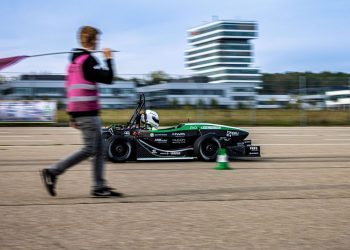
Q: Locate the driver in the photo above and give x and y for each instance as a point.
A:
(151, 119)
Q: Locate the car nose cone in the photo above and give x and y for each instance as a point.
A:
(243, 134)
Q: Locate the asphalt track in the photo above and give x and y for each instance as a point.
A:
(297, 196)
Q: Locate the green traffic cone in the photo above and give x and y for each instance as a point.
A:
(222, 162)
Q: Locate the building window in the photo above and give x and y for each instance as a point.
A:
(126, 91)
(23, 91)
(224, 33)
(224, 65)
(196, 92)
(230, 71)
(242, 89)
(221, 53)
(220, 60)
(242, 98)
(106, 91)
(123, 91)
(224, 26)
(49, 91)
(220, 47)
(238, 78)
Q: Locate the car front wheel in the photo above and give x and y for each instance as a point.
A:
(207, 147)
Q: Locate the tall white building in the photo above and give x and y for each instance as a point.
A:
(222, 51)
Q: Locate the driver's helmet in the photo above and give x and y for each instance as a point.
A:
(152, 118)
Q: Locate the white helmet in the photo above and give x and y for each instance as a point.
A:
(152, 118)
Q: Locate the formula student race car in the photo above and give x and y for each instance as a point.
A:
(140, 139)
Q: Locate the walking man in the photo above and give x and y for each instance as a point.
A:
(83, 107)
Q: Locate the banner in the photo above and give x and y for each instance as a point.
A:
(27, 111)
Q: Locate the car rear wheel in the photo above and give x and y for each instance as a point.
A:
(118, 149)
(207, 147)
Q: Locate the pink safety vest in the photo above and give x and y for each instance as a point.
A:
(82, 95)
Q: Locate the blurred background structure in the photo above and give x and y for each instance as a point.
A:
(225, 87)
(294, 98)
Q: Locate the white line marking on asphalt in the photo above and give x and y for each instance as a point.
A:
(24, 140)
(292, 135)
(22, 146)
(297, 129)
(340, 139)
(20, 136)
(61, 129)
(304, 144)
(341, 135)
(303, 135)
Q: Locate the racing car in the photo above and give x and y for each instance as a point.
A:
(142, 139)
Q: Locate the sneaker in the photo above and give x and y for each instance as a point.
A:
(105, 192)
(49, 181)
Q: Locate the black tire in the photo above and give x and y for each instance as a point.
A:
(206, 147)
(118, 148)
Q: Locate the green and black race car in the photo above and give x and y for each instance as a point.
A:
(140, 139)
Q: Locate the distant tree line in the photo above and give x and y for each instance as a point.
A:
(154, 77)
(272, 83)
(284, 83)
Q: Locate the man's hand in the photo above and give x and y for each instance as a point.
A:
(107, 53)
(74, 124)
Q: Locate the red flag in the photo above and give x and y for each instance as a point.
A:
(5, 62)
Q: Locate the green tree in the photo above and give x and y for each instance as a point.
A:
(138, 81)
(118, 78)
(200, 103)
(213, 103)
(158, 77)
(272, 101)
(241, 105)
(285, 83)
(174, 103)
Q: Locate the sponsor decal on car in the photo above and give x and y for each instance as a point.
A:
(167, 153)
(178, 140)
(178, 134)
(232, 133)
(151, 134)
(211, 127)
(160, 135)
(224, 139)
(160, 140)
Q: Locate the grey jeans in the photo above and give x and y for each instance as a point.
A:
(90, 127)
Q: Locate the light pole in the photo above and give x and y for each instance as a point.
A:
(256, 89)
(302, 94)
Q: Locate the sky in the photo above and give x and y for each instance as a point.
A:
(293, 35)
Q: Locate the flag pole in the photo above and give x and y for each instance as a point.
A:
(68, 52)
(5, 62)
